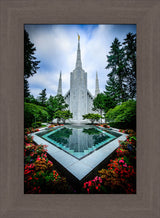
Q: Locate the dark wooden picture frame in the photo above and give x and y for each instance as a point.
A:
(13, 15)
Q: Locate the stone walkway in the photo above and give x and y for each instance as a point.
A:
(80, 168)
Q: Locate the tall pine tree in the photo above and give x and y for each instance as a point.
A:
(116, 84)
(30, 62)
(130, 59)
(43, 97)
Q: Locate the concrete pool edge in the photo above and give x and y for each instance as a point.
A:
(78, 155)
(80, 168)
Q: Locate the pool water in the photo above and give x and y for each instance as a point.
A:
(78, 141)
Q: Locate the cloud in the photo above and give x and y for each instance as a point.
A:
(56, 48)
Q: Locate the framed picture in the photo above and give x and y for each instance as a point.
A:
(14, 15)
(86, 118)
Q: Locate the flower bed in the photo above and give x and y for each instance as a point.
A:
(53, 125)
(39, 175)
(119, 176)
(30, 130)
(103, 125)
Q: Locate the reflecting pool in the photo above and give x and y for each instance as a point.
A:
(78, 141)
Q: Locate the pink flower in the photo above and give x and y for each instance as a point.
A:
(121, 161)
(96, 178)
(89, 183)
(125, 165)
(50, 162)
(100, 180)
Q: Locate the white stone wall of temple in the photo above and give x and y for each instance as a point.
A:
(79, 99)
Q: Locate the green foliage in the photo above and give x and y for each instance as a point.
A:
(92, 117)
(31, 99)
(36, 125)
(30, 62)
(26, 89)
(130, 59)
(33, 112)
(62, 115)
(99, 102)
(103, 102)
(55, 104)
(116, 85)
(42, 98)
(124, 113)
(123, 125)
(121, 83)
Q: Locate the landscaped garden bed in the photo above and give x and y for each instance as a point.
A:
(41, 176)
(119, 176)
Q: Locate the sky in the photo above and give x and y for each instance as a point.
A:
(56, 49)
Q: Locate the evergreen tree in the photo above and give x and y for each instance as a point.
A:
(30, 62)
(130, 59)
(26, 89)
(42, 98)
(116, 85)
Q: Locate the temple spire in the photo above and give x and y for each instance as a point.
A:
(97, 91)
(78, 61)
(59, 91)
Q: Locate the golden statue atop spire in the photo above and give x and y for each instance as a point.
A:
(78, 37)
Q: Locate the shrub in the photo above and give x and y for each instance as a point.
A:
(123, 116)
(93, 186)
(92, 117)
(39, 177)
(36, 125)
(119, 177)
(33, 112)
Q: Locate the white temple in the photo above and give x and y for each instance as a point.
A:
(79, 99)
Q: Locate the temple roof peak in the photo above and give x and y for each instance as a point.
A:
(78, 61)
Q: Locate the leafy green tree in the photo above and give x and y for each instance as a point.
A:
(31, 99)
(130, 59)
(42, 97)
(99, 102)
(62, 115)
(54, 104)
(66, 114)
(60, 102)
(103, 102)
(116, 84)
(109, 102)
(30, 62)
(58, 116)
(34, 113)
(92, 117)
